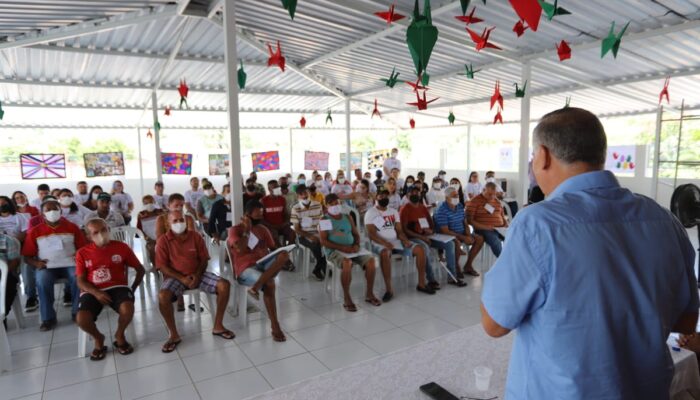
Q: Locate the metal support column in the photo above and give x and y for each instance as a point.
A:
(138, 134)
(524, 137)
(291, 154)
(657, 153)
(348, 162)
(156, 135)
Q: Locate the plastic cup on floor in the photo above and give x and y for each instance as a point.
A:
(483, 377)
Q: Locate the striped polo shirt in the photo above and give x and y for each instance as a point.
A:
(452, 218)
(307, 218)
(477, 210)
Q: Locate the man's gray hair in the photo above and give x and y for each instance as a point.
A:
(572, 135)
(93, 221)
(449, 191)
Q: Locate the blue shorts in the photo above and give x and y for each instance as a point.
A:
(251, 274)
(406, 251)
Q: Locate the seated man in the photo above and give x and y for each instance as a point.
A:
(113, 218)
(102, 271)
(251, 191)
(486, 214)
(383, 225)
(146, 223)
(276, 217)
(205, 203)
(250, 241)
(305, 217)
(182, 257)
(193, 195)
(290, 197)
(450, 220)
(50, 248)
(220, 216)
(341, 243)
(490, 176)
(10, 254)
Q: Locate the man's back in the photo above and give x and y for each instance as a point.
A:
(594, 279)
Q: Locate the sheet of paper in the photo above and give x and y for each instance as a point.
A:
(252, 241)
(362, 252)
(424, 223)
(229, 217)
(441, 238)
(325, 225)
(274, 253)
(149, 227)
(490, 208)
(306, 222)
(54, 243)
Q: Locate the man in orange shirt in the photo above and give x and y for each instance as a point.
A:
(486, 214)
(182, 257)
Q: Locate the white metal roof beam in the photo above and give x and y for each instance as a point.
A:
(395, 27)
(90, 27)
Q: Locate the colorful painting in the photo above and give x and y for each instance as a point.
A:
(176, 163)
(621, 159)
(316, 160)
(375, 158)
(355, 160)
(103, 164)
(266, 161)
(218, 164)
(43, 166)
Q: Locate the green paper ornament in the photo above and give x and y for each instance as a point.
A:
(425, 79)
(451, 118)
(612, 41)
(465, 5)
(550, 10)
(2, 112)
(156, 126)
(568, 102)
(421, 36)
(291, 6)
(469, 71)
(393, 79)
(242, 77)
(329, 118)
(520, 92)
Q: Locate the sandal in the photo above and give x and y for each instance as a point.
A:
(350, 307)
(373, 301)
(98, 354)
(254, 293)
(180, 307)
(472, 272)
(434, 285)
(387, 297)
(279, 337)
(226, 334)
(170, 346)
(194, 308)
(458, 283)
(123, 349)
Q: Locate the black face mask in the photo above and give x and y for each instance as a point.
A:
(250, 188)
(284, 186)
(5, 208)
(383, 202)
(414, 198)
(256, 221)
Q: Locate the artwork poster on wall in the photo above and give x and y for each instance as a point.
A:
(43, 166)
(621, 159)
(176, 163)
(355, 160)
(266, 161)
(218, 164)
(103, 164)
(316, 160)
(375, 158)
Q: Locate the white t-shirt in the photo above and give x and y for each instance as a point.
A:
(113, 219)
(435, 196)
(36, 203)
(120, 202)
(395, 201)
(391, 163)
(161, 201)
(80, 199)
(474, 189)
(385, 221)
(77, 217)
(13, 225)
(192, 197)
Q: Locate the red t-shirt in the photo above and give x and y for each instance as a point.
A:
(248, 257)
(106, 267)
(181, 253)
(274, 209)
(410, 218)
(43, 230)
(31, 210)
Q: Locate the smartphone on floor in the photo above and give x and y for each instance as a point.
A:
(437, 392)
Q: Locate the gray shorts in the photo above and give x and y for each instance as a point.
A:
(337, 258)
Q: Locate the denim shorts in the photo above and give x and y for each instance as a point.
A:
(251, 274)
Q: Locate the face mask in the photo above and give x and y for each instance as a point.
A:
(319, 182)
(66, 201)
(178, 227)
(409, 183)
(329, 179)
(52, 216)
(208, 192)
(150, 207)
(437, 186)
(21, 205)
(302, 181)
(383, 202)
(256, 221)
(335, 210)
(276, 191)
(341, 180)
(491, 180)
(455, 186)
(414, 198)
(394, 155)
(250, 188)
(95, 196)
(454, 201)
(102, 239)
(441, 176)
(305, 202)
(5, 208)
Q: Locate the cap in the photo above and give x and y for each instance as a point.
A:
(104, 196)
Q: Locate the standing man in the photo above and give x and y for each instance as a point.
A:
(392, 162)
(161, 199)
(82, 194)
(103, 278)
(305, 216)
(192, 196)
(594, 278)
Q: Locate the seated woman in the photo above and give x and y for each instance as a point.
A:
(91, 203)
(70, 210)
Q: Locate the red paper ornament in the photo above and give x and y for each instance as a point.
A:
(498, 117)
(664, 92)
(276, 58)
(184, 90)
(412, 122)
(389, 16)
(497, 97)
(376, 110)
(167, 110)
(519, 28)
(302, 122)
(149, 134)
(422, 104)
(563, 50)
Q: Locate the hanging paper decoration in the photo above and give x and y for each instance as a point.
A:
(302, 122)
(520, 92)
(469, 71)
(498, 117)
(563, 50)
(412, 123)
(156, 126)
(465, 5)
(519, 28)
(482, 41)
(550, 10)
(393, 79)
(242, 77)
(612, 41)
(529, 11)
(422, 104)
(184, 90)
(664, 91)
(376, 110)
(425, 79)
(291, 6)
(149, 134)
(329, 118)
(568, 102)
(497, 97)
(167, 110)
(417, 85)
(276, 58)
(470, 19)
(2, 112)
(421, 37)
(451, 118)
(389, 16)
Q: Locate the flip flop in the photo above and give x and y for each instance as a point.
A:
(472, 273)
(180, 307)
(350, 307)
(254, 293)
(193, 308)
(226, 334)
(170, 346)
(279, 337)
(98, 354)
(373, 301)
(124, 349)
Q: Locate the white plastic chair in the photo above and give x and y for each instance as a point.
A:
(5, 351)
(240, 295)
(507, 211)
(126, 234)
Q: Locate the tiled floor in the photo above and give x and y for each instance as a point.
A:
(321, 336)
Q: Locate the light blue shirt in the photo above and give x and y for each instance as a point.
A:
(593, 278)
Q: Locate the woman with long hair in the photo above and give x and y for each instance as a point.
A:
(91, 203)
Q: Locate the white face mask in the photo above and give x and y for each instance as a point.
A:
(305, 202)
(302, 181)
(335, 210)
(437, 186)
(179, 227)
(329, 179)
(454, 200)
(319, 183)
(394, 154)
(102, 239)
(66, 201)
(341, 180)
(149, 207)
(21, 205)
(441, 176)
(277, 191)
(52, 216)
(208, 192)
(455, 186)
(95, 196)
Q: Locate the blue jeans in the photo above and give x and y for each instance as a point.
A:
(449, 249)
(429, 273)
(45, 279)
(493, 239)
(28, 279)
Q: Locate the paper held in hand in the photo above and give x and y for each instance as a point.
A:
(325, 225)
(362, 252)
(252, 241)
(424, 223)
(439, 237)
(276, 252)
(490, 208)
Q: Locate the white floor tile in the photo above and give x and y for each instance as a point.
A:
(215, 363)
(186, 392)
(106, 388)
(386, 342)
(22, 383)
(336, 312)
(143, 356)
(64, 351)
(267, 350)
(344, 354)
(153, 379)
(300, 320)
(364, 325)
(30, 358)
(293, 369)
(235, 386)
(79, 370)
(28, 338)
(430, 328)
(255, 330)
(201, 343)
(320, 336)
(400, 313)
